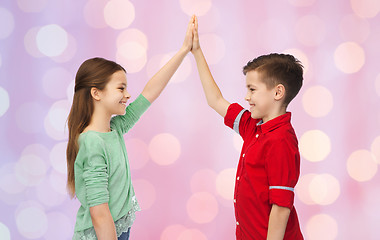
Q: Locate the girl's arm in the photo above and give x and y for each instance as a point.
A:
(103, 222)
(278, 220)
(158, 82)
(214, 97)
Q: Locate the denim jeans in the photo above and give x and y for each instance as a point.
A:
(124, 235)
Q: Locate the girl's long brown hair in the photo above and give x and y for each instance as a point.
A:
(94, 72)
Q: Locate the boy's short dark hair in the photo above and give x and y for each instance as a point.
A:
(276, 69)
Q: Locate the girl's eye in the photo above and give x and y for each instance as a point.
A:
(252, 89)
(122, 89)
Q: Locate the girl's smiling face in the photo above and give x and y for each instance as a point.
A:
(114, 97)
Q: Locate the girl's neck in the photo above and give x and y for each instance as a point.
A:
(100, 122)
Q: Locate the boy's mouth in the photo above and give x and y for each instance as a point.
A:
(123, 102)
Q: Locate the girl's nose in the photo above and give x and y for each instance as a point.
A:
(127, 95)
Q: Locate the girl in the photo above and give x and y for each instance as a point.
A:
(98, 168)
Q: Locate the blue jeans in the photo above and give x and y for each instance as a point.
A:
(124, 235)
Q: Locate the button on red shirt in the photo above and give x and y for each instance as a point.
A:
(267, 173)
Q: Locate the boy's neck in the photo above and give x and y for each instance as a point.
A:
(276, 113)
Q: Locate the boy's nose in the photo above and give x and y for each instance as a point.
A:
(127, 95)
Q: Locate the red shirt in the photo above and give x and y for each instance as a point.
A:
(267, 173)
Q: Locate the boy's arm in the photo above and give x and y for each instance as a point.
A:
(278, 220)
(158, 82)
(103, 223)
(213, 95)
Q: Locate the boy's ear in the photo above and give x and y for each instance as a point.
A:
(95, 93)
(279, 92)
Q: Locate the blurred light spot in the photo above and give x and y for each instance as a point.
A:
(154, 65)
(145, 193)
(164, 149)
(30, 170)
(47, 195)
(132, 55)
(132, 35)
(375, 149)
(38, 150)
(197, 7)
(310, 30)
(238, 142)
(32, 113)
(202, 207)
(301, 56)
(55, 121)
(10, 184)
(138, 154)
(58, 182)
(321, 226)
(203, 181)
(315, 145)
(377, 85)
(31, 222)
(30, 43)
(55, 82)
(272, 33)
(183, 71)
(7, 23)
(4, 232)
(119, 13)
(172, 232)
(69, 51)
(11, 189)
(225, 183)
(324, 189)
(361, 165)
(93, 13)
(318, 108)
(302, 3)
(349, 57)
(213, 47)
(32, 6)
(192, 234)
(303, 187)
(365, 8)
(211, 20)
(59, 227)
(58, 157)
(4, 100)
(354, 28)
(52, 40)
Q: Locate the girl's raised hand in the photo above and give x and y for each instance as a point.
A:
(196, 45)
(188, 43)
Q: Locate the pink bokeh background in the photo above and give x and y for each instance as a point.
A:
(183, 158)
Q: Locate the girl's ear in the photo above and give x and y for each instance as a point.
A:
(279, 92)
(95, 93)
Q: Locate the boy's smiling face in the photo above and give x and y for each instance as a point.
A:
(261, 99)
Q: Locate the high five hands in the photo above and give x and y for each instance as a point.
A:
(191, 42)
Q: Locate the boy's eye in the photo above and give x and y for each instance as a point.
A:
(122, 89)
(252, 89)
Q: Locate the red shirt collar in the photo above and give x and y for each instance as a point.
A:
(275, 122)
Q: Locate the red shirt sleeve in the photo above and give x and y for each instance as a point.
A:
(239, 119)
(283, 168)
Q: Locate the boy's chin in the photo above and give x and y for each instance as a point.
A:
(255, 116)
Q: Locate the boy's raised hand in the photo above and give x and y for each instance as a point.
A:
(196, 45)
(188, 42)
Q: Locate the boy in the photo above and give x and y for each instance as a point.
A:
(269, 163)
